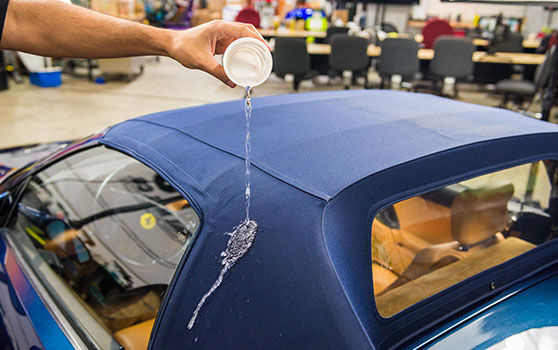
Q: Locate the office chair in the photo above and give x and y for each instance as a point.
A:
(331, 31)
(398, 57)
(486, 73)
(248, 15)
(434, 28)
(290, 56)
(349, 53)
(453, 57)
(388, 27)
(513, 42)
(521, 91)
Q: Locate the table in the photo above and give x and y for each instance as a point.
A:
(428, 54)
(459, 25)
(291, 33)
(527, 43)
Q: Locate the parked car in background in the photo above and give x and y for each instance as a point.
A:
(385, 220)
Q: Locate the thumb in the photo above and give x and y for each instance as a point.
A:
(214, 68)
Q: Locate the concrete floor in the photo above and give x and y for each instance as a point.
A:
(29, 114)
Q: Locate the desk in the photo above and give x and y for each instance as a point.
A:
(291, 33)
(508, 58)
(527, 44)
(428, 54)
(458, 25)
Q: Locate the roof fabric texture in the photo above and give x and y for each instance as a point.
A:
(323, 164)
(323, 142)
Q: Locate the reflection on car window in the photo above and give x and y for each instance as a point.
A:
(111, 229)
(427, 243)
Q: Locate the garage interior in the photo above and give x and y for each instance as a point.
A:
(94, 94)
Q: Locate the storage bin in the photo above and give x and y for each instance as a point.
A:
(50, 78)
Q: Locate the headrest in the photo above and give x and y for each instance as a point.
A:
(479, 213)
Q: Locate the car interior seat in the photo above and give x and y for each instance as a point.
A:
(383, 278)
(135, 337)
(393, 250)
(388, 250)
(400, 231)
(395, 300)
(478, 215)
(426, 219)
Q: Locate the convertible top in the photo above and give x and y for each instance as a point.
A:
(323, 142)
(324, 164)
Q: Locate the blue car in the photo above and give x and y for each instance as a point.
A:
(384, 220)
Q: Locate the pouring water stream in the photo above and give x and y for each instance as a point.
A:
(242, 237)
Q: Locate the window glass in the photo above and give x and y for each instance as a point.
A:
(105, 233)
(425, 244)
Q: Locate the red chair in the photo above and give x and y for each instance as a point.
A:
(434, 28)
(250, 16)
(460, 33)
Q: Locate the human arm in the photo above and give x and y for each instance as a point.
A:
(53, 28)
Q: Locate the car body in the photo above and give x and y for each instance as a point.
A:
(326, 167)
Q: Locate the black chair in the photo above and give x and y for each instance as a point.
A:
(331, 31)
(349, 53)
(520, 91)
(488, 73)
(388, 27)
(290, 56)
(398, 57)
(513, 42)
(453, 57)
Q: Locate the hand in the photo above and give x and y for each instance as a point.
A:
(195, 47)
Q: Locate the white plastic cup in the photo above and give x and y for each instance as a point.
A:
(247, 62)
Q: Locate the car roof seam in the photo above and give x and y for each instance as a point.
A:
(315, 194)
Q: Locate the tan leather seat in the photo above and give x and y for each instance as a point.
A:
(398, 299)
(387, 249)
(425, 219)
(477, 217)
(478, 213)
(382, 278)
(135, 337)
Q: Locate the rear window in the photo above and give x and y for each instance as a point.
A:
(425, 244)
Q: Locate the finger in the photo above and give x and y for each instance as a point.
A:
(214, 68)
(237, 31)
(250, 30)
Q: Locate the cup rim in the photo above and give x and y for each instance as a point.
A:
(259, 47)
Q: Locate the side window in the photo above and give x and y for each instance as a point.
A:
(427, 243)
(105, 234)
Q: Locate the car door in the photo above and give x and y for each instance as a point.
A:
(88, 251)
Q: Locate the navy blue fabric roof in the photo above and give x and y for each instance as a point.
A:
(361, 147)
(323, 142)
